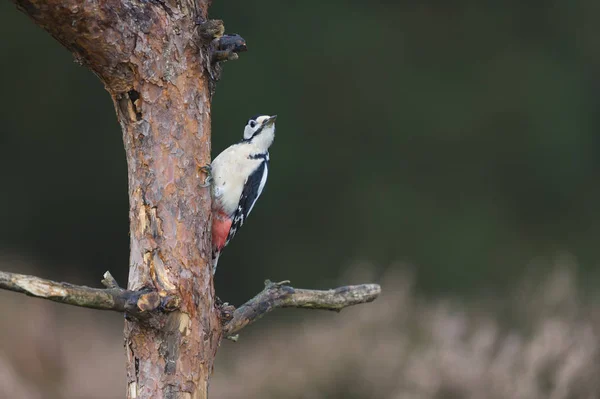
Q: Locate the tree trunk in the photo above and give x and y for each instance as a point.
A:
(156, 69)
(166, 131)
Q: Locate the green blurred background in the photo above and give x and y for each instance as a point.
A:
(458, 138)
(455, 139)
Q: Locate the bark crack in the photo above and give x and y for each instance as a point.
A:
(134, 97)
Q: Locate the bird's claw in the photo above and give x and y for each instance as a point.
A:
(207, 170)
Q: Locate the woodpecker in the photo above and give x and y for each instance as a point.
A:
(238, 176)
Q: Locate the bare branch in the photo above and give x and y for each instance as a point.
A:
(279, 295)
(112, 298)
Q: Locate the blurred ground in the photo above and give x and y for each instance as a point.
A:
(539, 342)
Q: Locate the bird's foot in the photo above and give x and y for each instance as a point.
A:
(207, 170)
(225, 309)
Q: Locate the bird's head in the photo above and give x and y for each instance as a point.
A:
(262, 126)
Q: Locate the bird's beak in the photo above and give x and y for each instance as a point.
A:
(270, 121)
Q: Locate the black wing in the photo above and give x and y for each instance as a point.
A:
(250, 193)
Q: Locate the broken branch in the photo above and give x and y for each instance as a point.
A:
(228, 47)
(279, 295)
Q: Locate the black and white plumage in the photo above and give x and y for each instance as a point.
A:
(239, 175)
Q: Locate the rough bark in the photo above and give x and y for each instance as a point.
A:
(156, 69)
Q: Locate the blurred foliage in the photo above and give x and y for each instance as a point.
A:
(457, 136)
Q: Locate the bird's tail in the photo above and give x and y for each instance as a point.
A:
(215, 258)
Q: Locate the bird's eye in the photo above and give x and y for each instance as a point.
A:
(252, 124)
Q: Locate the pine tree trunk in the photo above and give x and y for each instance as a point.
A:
(166, 131)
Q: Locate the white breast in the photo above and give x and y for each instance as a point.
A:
(230, 169)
